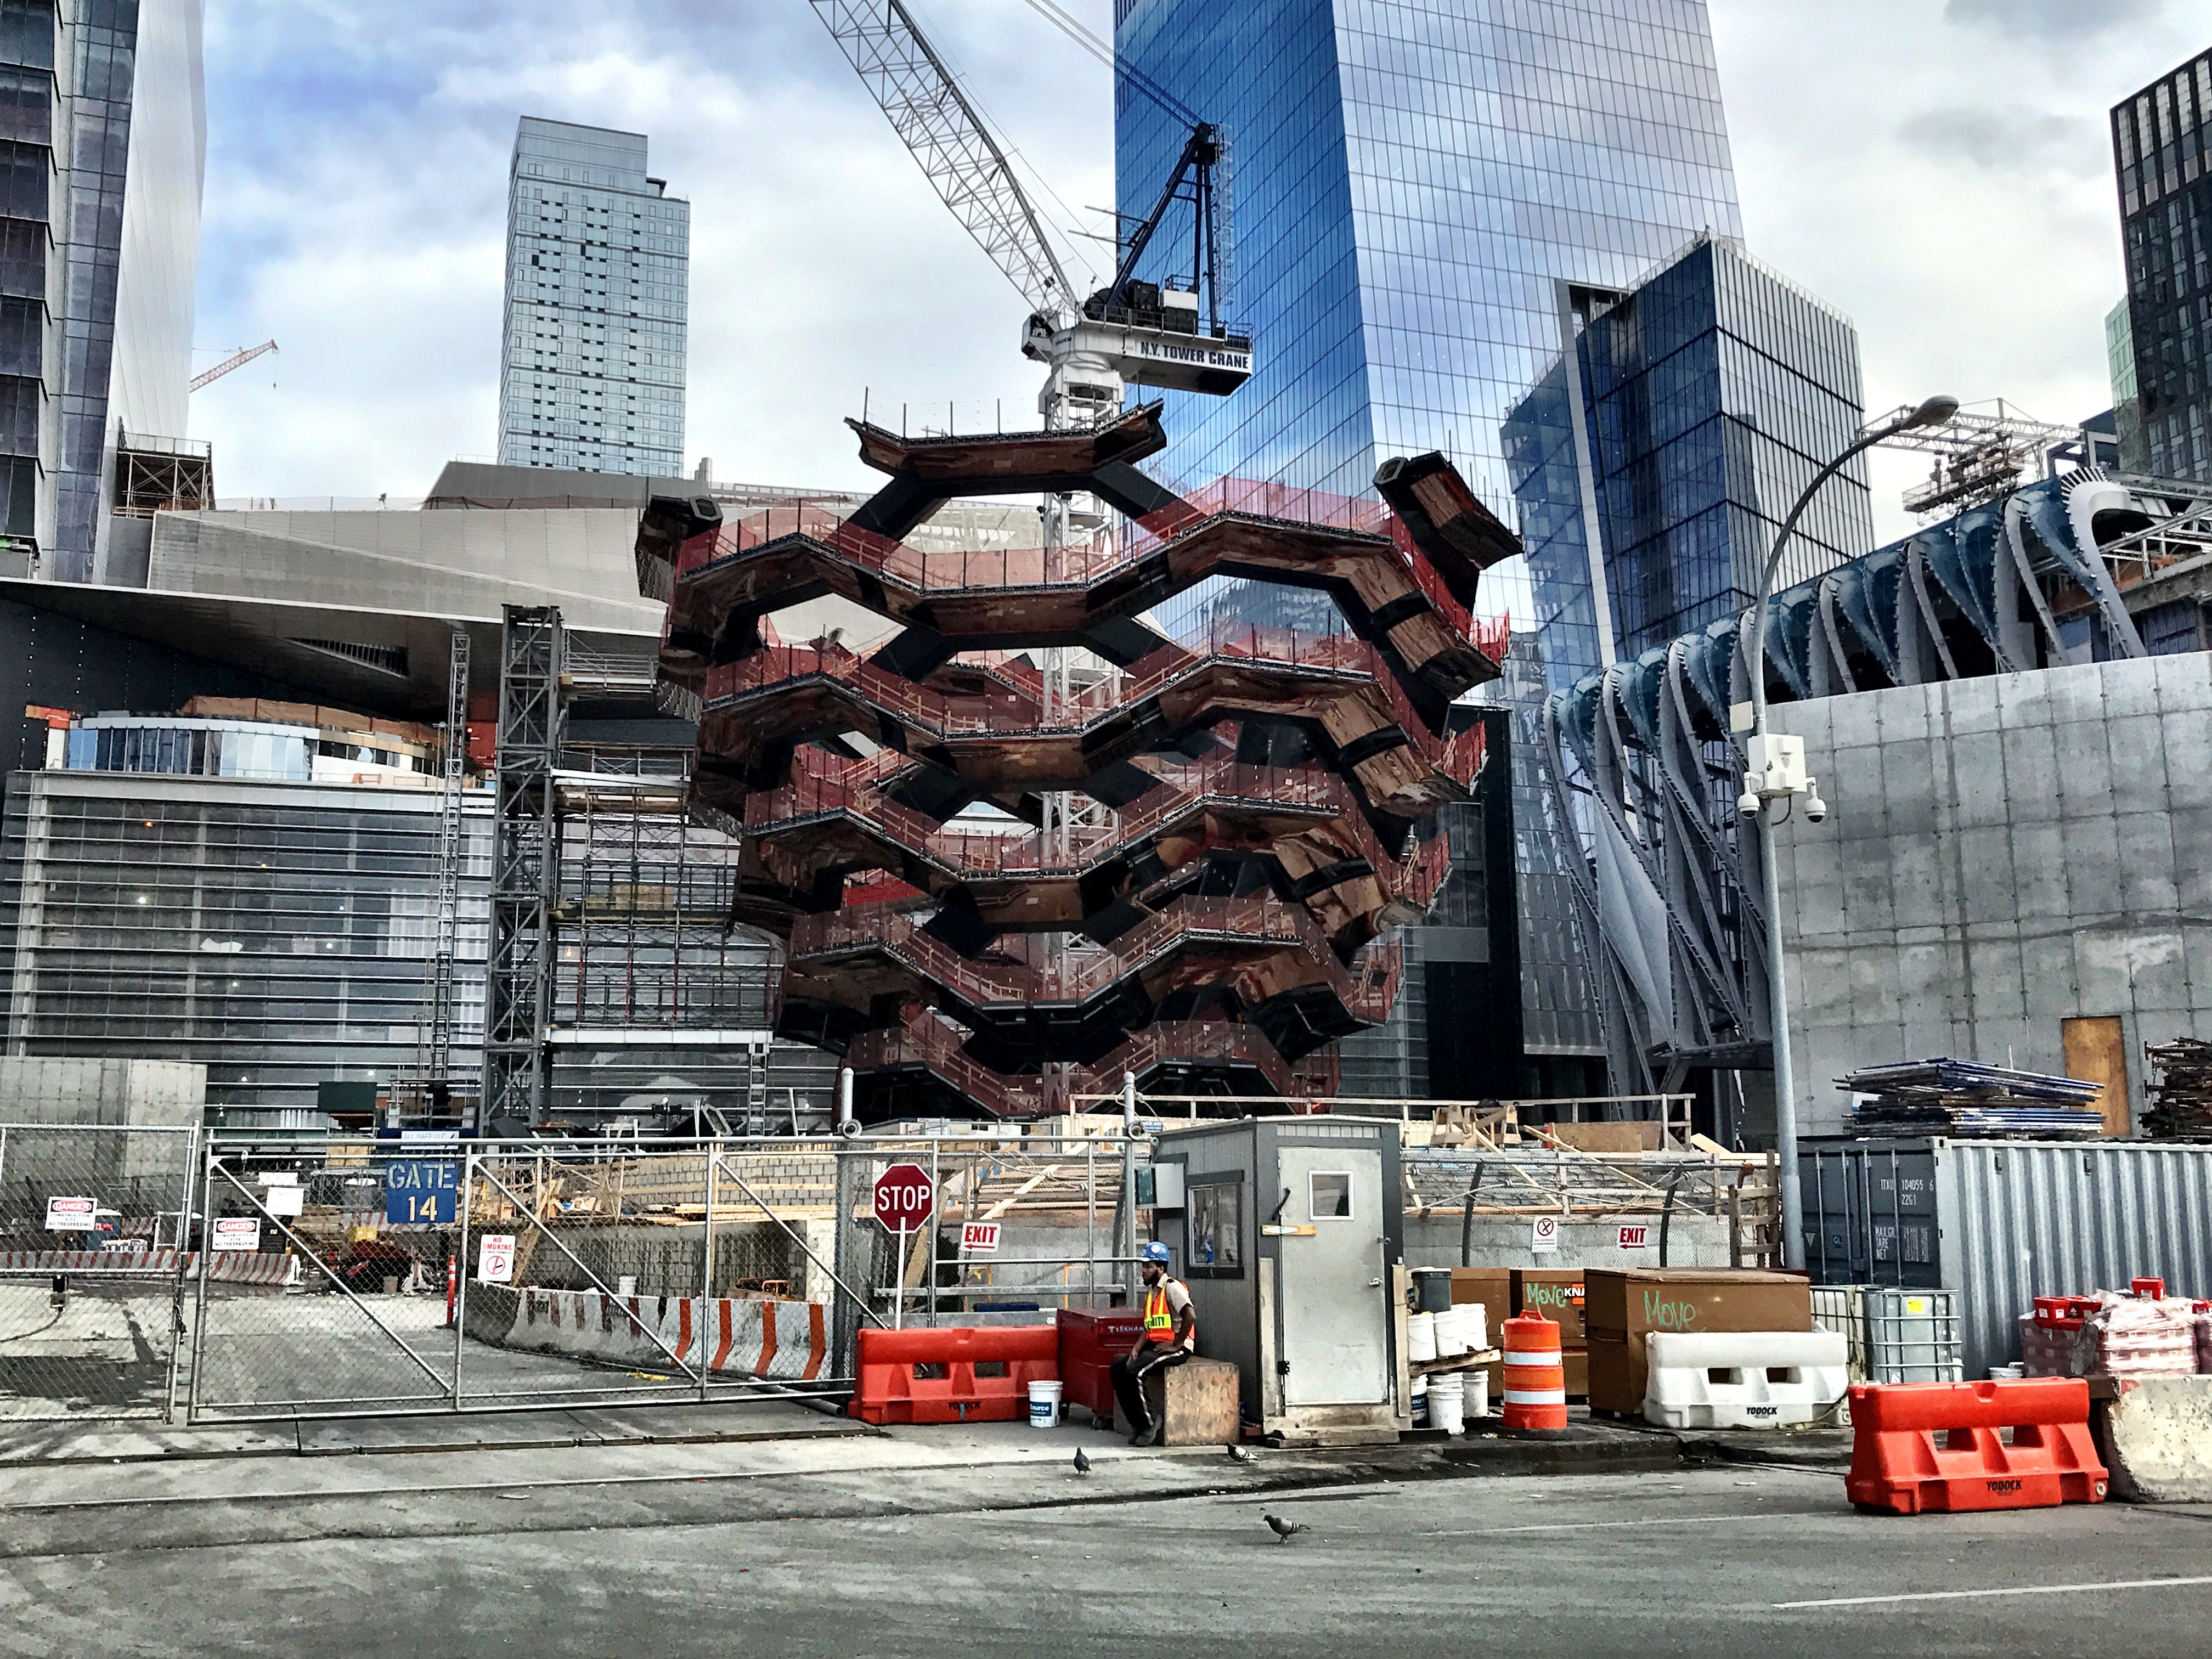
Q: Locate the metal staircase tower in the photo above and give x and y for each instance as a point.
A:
(526, 872)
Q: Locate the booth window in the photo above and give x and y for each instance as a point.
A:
(1213, 1218)
(1331, 1191)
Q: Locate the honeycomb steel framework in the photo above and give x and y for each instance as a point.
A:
(1261, 805)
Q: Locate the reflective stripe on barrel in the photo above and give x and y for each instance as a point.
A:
(1535, 1374)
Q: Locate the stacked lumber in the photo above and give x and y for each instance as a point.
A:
(2180, 1090)
(1966, 1100)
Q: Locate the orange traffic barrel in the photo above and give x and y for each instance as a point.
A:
(1535, 1375)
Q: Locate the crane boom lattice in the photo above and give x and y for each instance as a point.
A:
(936, 122)
(236, 360)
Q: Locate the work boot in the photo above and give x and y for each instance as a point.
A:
(1147, 1436)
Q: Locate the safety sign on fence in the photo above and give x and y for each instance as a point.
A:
(496, 1258)
(1634, 1238)
(70, 1215)
(979, 1237)
(236, 1232)
(420, 1192)
(1544, 1236)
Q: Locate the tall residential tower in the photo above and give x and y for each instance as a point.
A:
(1412, 181)
(598, 288)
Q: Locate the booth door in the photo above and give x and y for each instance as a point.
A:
(1335, 1297)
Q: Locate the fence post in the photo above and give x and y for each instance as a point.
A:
(199, 1308)
(461, 1268)
(705, 1321)
(176, 1279)
(935, 1233)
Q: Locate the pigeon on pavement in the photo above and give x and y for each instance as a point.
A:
(1237, 1454)
(1082, 1463)
(1283, 1530)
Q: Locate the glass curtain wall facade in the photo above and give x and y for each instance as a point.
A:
(1709, 394)
(598, 261)
(2162, 152)
(102, 145)
(1410, 181)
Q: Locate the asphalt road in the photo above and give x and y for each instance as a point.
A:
(1020, 1561)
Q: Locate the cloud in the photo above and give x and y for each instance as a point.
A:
(357, 211)
(2054, 20)
(2012, 140)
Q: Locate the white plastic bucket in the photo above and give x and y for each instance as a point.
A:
(1475, 1394)
(1447, 1407)
(1420, 1403)
(1451, 1335)
(1421, 1337)
(1044, 1405)
(1476, 1325)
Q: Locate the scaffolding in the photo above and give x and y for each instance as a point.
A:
(525, 867)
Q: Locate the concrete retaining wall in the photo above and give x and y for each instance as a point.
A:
(1501, 1240)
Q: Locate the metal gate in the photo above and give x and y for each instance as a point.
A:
(94, 1244)
(277, 1278)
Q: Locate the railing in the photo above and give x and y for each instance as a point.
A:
(1251, 922)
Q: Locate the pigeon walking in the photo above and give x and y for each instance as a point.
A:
(1082, 1463)
(1283, 1530)
(1237, 1454)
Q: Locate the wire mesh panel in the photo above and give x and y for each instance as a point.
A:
(94, 1244)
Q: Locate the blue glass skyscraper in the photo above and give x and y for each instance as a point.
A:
(1410, 183)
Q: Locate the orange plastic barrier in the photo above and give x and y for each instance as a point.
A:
(1535, 1375)
(957, 1374)
(1935, 1446)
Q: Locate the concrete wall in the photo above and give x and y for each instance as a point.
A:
(110, 1092)
(2001, 854)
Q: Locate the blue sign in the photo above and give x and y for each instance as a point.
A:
(419, 1192)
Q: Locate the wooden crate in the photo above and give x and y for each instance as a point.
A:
(1200, 1402)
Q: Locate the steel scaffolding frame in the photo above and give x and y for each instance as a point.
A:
(526, 867)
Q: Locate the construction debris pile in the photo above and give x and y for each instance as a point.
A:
(1966, 1100)
(2181, 1090)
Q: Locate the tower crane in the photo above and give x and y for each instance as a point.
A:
(1129, 332)
(236, 360)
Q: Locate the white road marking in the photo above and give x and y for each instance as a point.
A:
(1595, 1525)
(1969, 1595)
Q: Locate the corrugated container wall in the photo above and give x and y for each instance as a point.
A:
(2012, 1220)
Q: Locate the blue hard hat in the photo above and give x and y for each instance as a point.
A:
(1154, 1251)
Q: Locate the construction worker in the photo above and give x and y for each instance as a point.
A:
(1170, 1335)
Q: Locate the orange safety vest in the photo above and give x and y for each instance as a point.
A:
(1159, 1318)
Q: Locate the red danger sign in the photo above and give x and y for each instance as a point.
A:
(904, 1198)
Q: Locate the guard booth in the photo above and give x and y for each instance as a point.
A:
(1289, 1232)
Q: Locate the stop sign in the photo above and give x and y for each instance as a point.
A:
(904, 1198)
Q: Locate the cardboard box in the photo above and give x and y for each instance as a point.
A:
(1623, 1306)
(1555, 1293)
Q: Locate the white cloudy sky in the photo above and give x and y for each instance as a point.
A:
(1936, 168)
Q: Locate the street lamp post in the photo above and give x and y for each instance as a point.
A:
(1776, 776)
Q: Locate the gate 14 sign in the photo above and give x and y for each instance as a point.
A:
(420, 1191)
(904, 1198)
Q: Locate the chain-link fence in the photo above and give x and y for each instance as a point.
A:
(218, 1279)
(94, 1239)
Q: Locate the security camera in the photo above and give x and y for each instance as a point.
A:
(1816, 810)
(1748, 804)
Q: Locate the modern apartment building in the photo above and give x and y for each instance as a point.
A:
(1412, 181)
(104, 142)
(2162, 152)
(597, 290)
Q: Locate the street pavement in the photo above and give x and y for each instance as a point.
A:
(982, 1539)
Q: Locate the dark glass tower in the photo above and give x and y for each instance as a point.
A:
(1410, 181)
(1711, 392)
(2162, 149)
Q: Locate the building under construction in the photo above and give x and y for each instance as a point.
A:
(1024, 845)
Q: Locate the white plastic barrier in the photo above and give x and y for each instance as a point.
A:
(1743, 1379)
(227, 1266)
(766, 1338)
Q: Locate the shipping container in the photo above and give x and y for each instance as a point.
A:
(2002, 1222)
